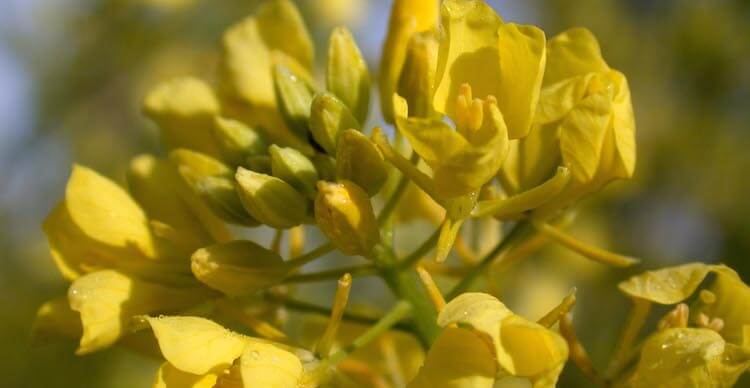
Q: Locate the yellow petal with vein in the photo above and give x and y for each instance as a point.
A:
(107, 300)
(170, 377)
(265, 365)
(572, 53)
(196, 345)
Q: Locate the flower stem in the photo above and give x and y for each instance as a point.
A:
(518, 231)
(395, 197)
(299, 261)
(397, 313)
(301, 306)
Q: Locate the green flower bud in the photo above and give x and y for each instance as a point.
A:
(344, 213)
(347, 76)
(294, 96)
(238, 267)
(237, 141)
(328, 117)
(271, 200)
(212, 182)
(418, 74)
(294, 168)
(360, 161)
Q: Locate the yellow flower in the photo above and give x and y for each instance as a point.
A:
(483, 341)
(713, 355)
(502, 60)
(584, 121)
(121, 262)
(201, 353)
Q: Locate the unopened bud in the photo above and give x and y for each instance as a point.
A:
(418, 74)
(238, 267)
(344, 213)
(237, 141)
(294, 96)
(347, 75)
(329, 116)
(212, 182)
(360, 161)
(325, 165)
(270, 200)
(294, 168)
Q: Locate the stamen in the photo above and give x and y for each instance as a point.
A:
(337, 311)
(707, 297)
(704, 321)
(432, 290)
(677, 318)
(560, 310)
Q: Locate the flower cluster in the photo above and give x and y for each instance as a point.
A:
(492, 122)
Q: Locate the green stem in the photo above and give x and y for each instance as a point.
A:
(515, 234)
(299, 261)
(360, 270)
(390, 206)
(422, 250)
(301, 306)
(389, 320)
(403, 283)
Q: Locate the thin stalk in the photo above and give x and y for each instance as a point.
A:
(299, 261)
(333, 274)
(389, 320)
(633, 326)
(398, 192)
(515, 234)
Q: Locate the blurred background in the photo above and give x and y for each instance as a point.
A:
(73, 73)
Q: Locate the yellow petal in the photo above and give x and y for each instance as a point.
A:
(105, 213)
(623, 122)
(265, 365)
(196, 345)
(520, 347)
(283, 29)
(572, 53)
(457, 359)
(732, 305)
(156, 184)
(238, 267)
(433, 139)
(250, 49)
(522, 63)
(689, 358)
(582, 135)
(407, 18)
(67, 244)
(171, 377)
(468, 52)
(534, 350)
(108, 299)
(184, 109)
(671, 285)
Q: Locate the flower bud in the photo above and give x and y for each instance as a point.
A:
(360, 161)
(344, 213)
(270, 200)
(237, 141)
(294, 168)
(294, 96)
(347, 75)
(328, 117)
(238, 267)
(212, 182)
(418, 75)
